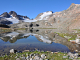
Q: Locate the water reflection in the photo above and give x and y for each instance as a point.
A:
(42, 35)
(30, 39)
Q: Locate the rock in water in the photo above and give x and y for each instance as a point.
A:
(13, 51)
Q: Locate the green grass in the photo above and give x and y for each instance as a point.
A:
(78, 30)
(49, 55)
(47, 28)
(3, 30)
(73, 36)
(20, 29)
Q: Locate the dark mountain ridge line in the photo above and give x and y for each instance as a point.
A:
(14, 14)
(66, 19)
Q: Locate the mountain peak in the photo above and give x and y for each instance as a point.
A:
(48, 12)
(72, 4)
(12, 12)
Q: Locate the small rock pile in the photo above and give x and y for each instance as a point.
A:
(32, 57)
(72, 56)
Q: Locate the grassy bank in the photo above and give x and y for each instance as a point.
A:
(19, 28)
(68, 36)
(49, 55)
(47, 28)
(4, 30)
(78, 30)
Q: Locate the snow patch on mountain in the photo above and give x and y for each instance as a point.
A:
(45, 14)
(29, 20)
(13, 20)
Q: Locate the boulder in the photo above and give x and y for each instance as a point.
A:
(36, 57)
(13, 51)
(18, 59)
(78, 41)
(43, 56)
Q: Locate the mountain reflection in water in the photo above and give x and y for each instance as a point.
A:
(43, 39)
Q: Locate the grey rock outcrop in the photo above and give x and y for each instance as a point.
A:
(13, 51)
(4, 21)
(5, 14)
(13, 13)
(65, 19)
(24, 25)
(19, 17)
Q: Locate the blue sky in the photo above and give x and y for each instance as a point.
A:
(32, 8)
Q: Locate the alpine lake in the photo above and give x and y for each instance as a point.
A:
(54, 40)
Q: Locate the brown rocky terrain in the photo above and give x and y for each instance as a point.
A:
(65, 19)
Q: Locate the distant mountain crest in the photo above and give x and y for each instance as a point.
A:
(12, 12)
(73, 4)
(5, 14)
(69, 18)
(14, 15)
(11, 18)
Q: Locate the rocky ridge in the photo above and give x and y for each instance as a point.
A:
(11, 18)
(68, 19)
(13, 14)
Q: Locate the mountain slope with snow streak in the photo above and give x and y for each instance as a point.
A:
(44, 15)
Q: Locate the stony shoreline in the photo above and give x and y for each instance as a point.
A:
(39, 55)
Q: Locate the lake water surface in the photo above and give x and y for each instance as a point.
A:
(45, 40)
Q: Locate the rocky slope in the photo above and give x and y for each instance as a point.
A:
(13, 14)
(4, 21)
(11, 18)
(69, 19)
(65, 19)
